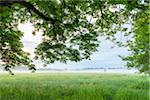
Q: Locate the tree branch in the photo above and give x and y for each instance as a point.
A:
(29, 6)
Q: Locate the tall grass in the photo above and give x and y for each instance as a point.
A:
(61, 86)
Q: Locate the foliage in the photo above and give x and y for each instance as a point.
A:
(139, 46)
(11, 52)
(70, 28)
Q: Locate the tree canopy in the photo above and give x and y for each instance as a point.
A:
(140, 45)
(71, 29)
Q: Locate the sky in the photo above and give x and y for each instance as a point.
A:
(105, 57)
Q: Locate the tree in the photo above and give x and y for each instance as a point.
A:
(70, 28)
(139, 47)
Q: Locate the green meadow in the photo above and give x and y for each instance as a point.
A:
(74, 86)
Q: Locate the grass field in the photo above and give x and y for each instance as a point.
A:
(67, 86)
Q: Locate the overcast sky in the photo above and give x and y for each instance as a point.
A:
(105, 57)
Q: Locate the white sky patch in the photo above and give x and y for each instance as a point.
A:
(29, 40)
(116, 8)
(91, 19)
